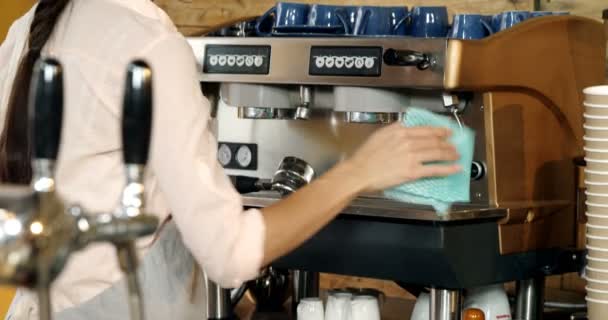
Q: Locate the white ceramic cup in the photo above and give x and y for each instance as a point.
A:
(597, 220)
(596, 109)
(596, 294)
(596, 94)
(595, 143)
(338, 306)
(598, 231)
(310, 309)
(596, 309)
(596, 176)
(596, 209)
(422, 307)
(596, 153)
(601, 253)
(597, 164)
(599, 198)
(597, 263)
(595, 121)
(599, 274)
(365, 308)
(492, 300)
(597, 284)
(596, 132)
(596, 187)
(597, 241)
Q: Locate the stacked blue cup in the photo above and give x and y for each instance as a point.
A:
(470, 27)
(421, 21)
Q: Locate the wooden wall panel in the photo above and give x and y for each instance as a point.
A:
(195, 16)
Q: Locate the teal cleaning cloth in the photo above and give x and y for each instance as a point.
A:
(440, 192)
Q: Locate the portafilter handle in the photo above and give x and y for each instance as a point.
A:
(244, 184)
(46, 108)
(137, 113)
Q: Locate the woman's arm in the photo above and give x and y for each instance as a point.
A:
(392, 155)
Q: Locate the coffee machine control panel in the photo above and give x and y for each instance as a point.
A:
(237, 59)
(345, 61)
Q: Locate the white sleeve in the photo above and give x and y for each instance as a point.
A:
(227, 241)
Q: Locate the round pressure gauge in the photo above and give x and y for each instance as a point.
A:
(224, 155)
(244, 156)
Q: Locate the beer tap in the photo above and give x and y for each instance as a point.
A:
(38, 230)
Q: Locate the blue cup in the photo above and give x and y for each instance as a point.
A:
(469, 27)
(535, 14)
(487, 19)
(510, 18)
(351, 17)
(496, 22)
(381, 21)
(328, 16)
(285, 14)
(429, 22)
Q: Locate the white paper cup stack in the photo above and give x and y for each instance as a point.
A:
(596, 182)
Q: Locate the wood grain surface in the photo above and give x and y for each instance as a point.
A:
(195, 16)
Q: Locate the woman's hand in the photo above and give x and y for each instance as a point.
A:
(396, 154)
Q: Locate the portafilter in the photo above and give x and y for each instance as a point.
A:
(293, 174)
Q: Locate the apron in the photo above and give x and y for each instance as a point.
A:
(166, 281)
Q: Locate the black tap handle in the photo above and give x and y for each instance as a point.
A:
(407, 58)
(46, 108)
(137, 113)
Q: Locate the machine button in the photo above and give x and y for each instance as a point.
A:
(231, 60)
(330, 61)
(320, 62)
(339, 62)
(244, 156)
(240, 60)
(222, 60)
(478, 170)
(213, 60)
(369, 62)
(224, 155)
(349, 62)
(359, 62)
(259, 61)
(249, 61)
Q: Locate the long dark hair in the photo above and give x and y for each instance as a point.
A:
(15, 150)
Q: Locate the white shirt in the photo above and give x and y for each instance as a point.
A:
(95, 40)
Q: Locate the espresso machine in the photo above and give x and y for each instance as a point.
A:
(38, 230)
(319, 98)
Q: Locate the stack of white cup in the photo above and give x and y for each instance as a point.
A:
(340, 306)
(596, 182)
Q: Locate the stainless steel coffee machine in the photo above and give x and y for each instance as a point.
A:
(318, 99)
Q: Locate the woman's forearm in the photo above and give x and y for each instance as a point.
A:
(295, 219)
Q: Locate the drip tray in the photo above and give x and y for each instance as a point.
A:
(374, 205)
